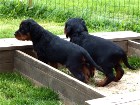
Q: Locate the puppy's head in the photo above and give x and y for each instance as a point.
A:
(74, 25)
(23, 33)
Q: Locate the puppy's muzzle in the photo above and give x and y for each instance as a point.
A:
(17, 33)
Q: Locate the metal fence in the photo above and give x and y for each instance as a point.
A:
(119, 14)
(100, 15)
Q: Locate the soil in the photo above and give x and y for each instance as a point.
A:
(130, 82)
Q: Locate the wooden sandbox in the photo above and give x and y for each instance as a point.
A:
(18, 56)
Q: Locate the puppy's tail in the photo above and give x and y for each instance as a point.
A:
(91, 61)
(125, 61)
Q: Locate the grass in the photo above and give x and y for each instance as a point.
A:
(100, 15)
(16, 90)
(134, 61)
(10, 25)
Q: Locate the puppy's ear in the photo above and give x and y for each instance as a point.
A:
(85, 28)
(31, 25)
(67, 31)
(84, 25)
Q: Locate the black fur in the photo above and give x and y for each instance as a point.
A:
(51, 48)
(104, 52)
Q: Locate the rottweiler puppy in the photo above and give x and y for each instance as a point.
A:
(104, 52)
(52, 49)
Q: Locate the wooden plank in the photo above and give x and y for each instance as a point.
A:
(133, 51)
(14, 44)
(6, 56)
(6, 67)
(9, 42)
(123, 45)
(120, 99)
(137, 40)
(114, 36)
(118, 35)
(134, 44)
(69, 87)
(6, 61)
(30, 52)
(133, 48)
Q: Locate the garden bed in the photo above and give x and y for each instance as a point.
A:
(16, 57)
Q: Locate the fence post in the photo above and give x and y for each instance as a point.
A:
(30, 3)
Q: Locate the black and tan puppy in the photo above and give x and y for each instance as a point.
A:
(104, 52)
(51, 48)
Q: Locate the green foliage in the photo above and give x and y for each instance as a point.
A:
(134, 61)
(100, 15)
(16, 90)
(18, 9)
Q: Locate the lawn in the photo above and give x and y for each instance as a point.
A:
(17, 90)
(10, 25)
(100, 15)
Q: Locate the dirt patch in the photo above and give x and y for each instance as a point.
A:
(130, 82)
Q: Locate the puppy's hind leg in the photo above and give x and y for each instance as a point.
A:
(53, 64)
(109, 77)
(76, 69)
(119, 72)
(88, 72)
(77, 73)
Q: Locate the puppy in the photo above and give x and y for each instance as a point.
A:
(105, 53)
(50, 48)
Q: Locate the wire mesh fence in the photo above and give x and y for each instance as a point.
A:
(105, 15)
